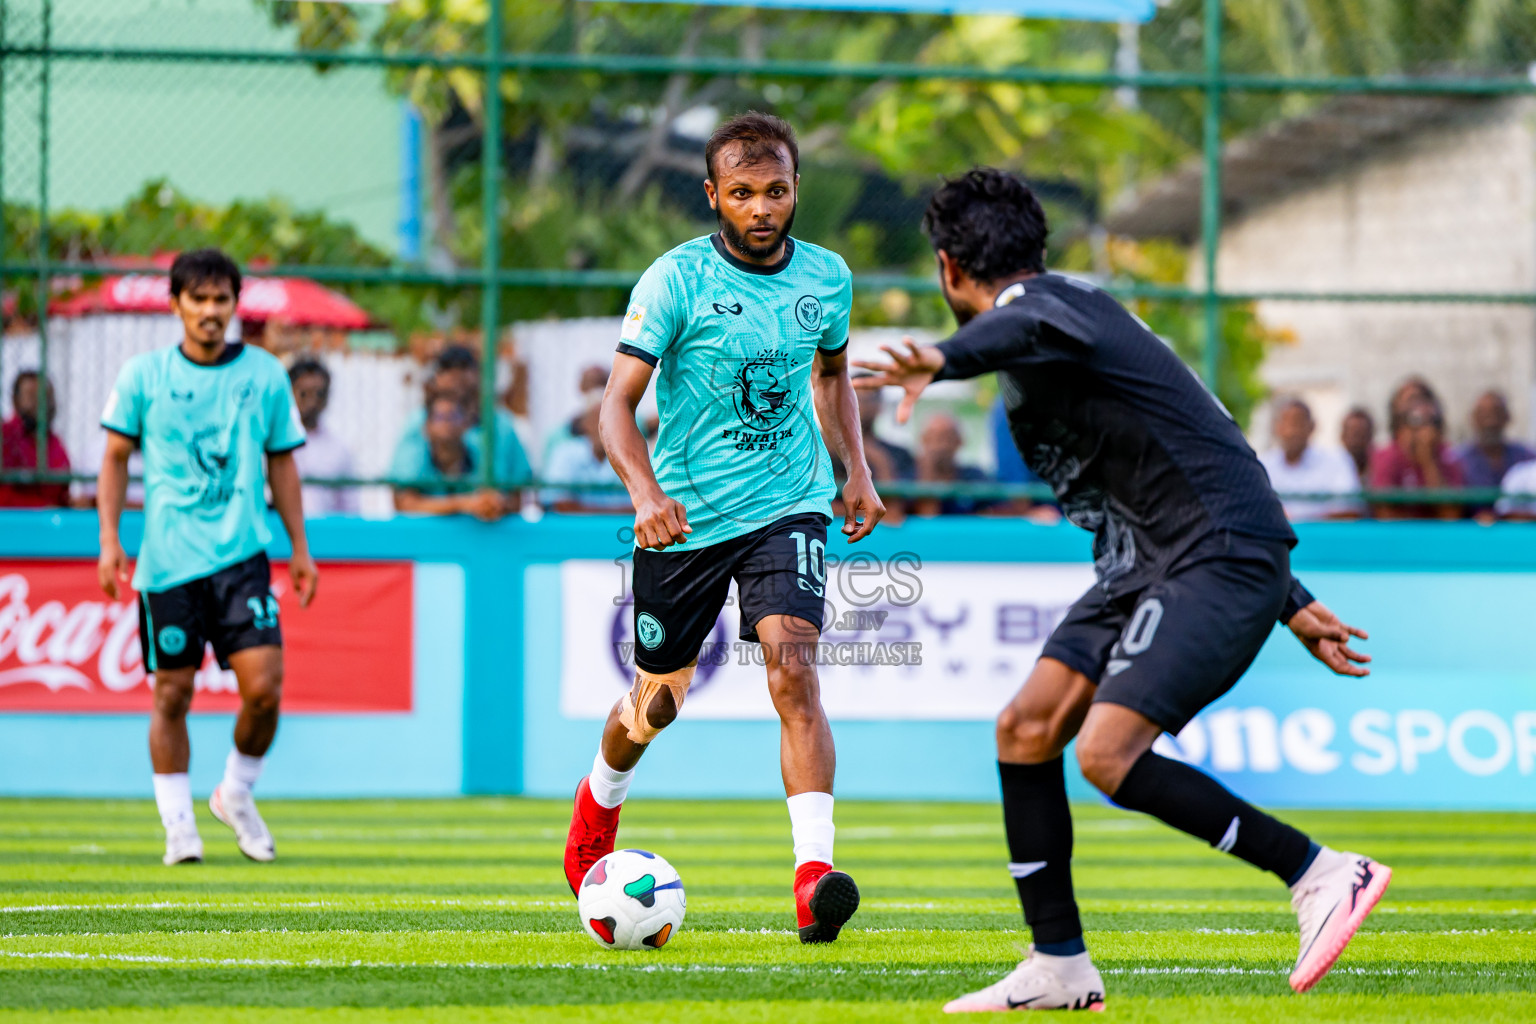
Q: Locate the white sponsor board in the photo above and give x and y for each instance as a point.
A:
(903, 640)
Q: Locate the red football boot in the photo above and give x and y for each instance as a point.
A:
(590, 839)
(824, 901)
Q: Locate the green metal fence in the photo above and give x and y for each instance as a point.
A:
(1095, 114)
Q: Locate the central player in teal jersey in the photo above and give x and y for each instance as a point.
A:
(206, 413)
(747, 331)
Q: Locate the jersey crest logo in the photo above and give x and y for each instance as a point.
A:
(734, 310)
(172, 640)
(216, 461)
(762, 392)
(808, 312)
(649, 630)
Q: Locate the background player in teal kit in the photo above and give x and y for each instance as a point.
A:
(746, 330)
(206, 412)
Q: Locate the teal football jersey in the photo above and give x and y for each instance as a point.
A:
(733, 344)
(204, 431)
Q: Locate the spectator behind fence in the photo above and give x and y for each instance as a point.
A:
(1489, 457)
(18, 447)
(1297, 466)
(887, 462)
(1417, 459)
(443, 466)
(324, 455)
(456, 373)
(1357, 435)
(938, 462)
(1520, 480)
(581, 459)
(1012, 470)
(591, 383)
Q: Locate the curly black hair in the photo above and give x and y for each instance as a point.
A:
(989, 222)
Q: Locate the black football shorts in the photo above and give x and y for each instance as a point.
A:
(779, 569)
(232, 609)
(1178, 644)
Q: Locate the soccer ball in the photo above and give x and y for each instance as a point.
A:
(631, 899)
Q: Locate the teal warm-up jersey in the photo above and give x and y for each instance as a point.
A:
(204, 431)
(733, 344)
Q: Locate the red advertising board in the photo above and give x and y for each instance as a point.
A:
(65, 646)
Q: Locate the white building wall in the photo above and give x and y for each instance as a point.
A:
(1451, 210)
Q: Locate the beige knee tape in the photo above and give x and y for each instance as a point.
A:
(647, 685)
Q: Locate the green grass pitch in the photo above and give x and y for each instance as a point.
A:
(457, 911)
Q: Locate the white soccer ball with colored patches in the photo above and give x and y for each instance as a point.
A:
(631, 899)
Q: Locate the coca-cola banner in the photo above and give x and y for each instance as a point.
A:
(66, 646)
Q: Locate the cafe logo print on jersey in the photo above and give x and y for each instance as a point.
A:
(763, 400)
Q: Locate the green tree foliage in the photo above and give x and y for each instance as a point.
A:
(160, 219)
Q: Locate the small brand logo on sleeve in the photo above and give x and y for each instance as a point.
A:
(632, 322)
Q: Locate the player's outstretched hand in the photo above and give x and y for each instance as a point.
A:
(863, 509)
(661, 522)
(306, 577)
(112, 568)
(1321, 632)
(911, 368)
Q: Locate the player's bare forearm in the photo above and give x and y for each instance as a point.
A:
(838, 410)
(660, 521)
(111, 491)
(288, 499)
(112, 485)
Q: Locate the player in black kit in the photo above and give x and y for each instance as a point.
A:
(1192, 553)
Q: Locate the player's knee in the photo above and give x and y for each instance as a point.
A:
(264, 695)
(662, 710)
(653, 702)
(796, 691)
(1025, 738)
(172, 699)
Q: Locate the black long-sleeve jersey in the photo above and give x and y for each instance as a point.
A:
(1135, 447)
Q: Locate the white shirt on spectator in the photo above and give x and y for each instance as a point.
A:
(571, 462)
(1521, 479)
(1318, 471)
(324, 456)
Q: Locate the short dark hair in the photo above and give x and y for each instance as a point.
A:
(307, 366)
(989, 222)
(760, 136)
(1293, 402)
(457, 357)
(201, 266)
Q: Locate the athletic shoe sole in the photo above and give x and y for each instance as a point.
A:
(1094, 1005)
(1309, 974)
(216, 805)
(832, 903)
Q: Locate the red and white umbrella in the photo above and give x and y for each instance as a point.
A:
(293, 300)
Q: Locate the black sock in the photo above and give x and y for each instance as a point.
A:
(1193, 802)
(1039, 825)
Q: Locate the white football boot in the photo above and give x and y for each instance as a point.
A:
(183, 845)
(1331, 900)
(238, 811)
(1040, 982)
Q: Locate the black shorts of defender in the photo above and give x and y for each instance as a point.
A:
(1173, 647)
(233, 610)
(779, 569)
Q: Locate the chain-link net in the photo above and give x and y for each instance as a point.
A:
(1371, 153)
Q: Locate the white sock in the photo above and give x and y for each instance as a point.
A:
(241, 771)
(173, 796)
(609, 786)
(810, 823)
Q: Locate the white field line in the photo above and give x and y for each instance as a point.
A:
(171, 961)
